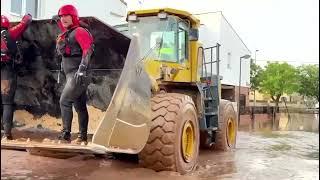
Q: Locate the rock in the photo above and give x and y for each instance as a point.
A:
(39, 126)
(18, 124)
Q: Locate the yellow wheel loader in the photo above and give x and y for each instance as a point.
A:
(165, 102)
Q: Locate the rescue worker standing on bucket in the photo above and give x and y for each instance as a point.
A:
(75, 45)
(9, 54)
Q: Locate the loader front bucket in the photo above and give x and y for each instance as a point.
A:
(125, 125)
(119, 87)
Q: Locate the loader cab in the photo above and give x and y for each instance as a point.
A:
(164, 38)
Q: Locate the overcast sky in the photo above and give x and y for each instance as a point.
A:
(283, 30)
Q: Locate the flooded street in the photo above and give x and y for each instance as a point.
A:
(261, 155)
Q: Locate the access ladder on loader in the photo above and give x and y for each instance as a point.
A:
(210, 85)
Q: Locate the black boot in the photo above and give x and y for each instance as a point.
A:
(66, 115)
(7, 121)
(65, 137)
(81, 139)
(6, 137)
(83, 127)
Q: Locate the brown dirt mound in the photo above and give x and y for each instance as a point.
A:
(49, 122)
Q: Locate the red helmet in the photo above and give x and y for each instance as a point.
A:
(5, 22)
(70, 10)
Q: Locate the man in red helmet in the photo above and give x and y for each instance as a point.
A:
(9, 50)
(75, 45)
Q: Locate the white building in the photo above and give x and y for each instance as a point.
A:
(216, 29)
(112, 12)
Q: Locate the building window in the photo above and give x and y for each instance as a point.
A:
(21, 7)
(229, 60)
(32, 7)
(16, 7)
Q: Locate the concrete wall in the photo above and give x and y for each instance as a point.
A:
(243, 91)
(298, 122)
(231, 93)
(112, 12)
(263, 121)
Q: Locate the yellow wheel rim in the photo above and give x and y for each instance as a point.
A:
(231, 132)
(188, 138)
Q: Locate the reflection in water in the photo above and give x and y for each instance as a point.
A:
(272, 155)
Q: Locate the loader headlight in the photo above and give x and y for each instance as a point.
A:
(132, 17)
(162, 15)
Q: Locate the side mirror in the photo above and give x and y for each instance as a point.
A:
(193, 35)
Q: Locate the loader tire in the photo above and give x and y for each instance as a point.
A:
(173, 144)
(226, 134)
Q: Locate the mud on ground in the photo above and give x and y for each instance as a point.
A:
(264, 156)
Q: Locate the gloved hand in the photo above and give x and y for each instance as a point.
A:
(81, 74)
(27, 18)
(18, 59)
(55, 19)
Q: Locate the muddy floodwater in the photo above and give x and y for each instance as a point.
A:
(259, 155)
